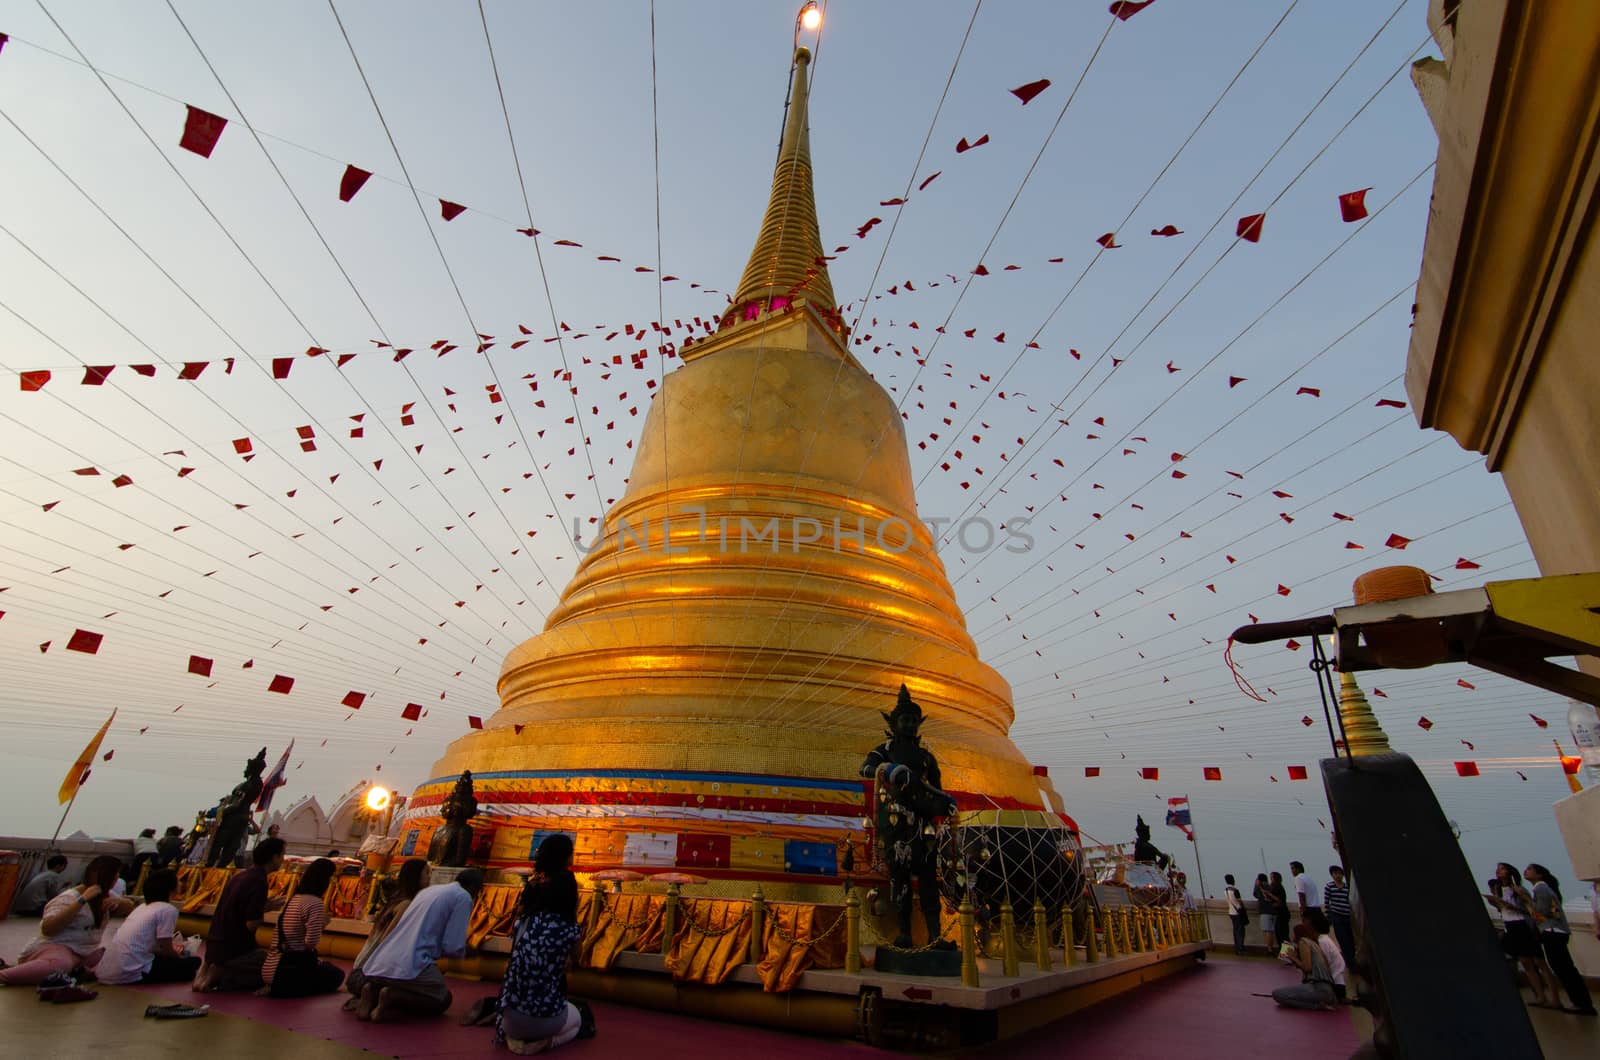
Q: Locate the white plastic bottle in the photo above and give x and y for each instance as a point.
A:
(1584, 722)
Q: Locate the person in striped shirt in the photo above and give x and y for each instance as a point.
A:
(292, 968)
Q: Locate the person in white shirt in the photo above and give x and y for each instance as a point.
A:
(1236, 913)
(148, 948)
(1305, 888)
(1330, 949)
(402, 976)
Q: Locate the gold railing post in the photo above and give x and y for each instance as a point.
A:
(1091, 945)
(1069, 955)
(669, 921)
(1133, 930)
(969, 945)
(374, 893)
(758, 926)
(1008, 941)
(1111, 933)
(852, 934)
(1041, 937)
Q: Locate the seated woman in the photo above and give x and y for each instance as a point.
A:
(69, 933)
(292, 968)
(412, 878)
(147, 948)
(535, 1015)
(1315, 990)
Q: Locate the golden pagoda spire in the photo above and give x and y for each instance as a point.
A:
(1363, 734)
(787, 265)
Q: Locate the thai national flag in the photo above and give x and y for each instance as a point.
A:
(1178, 815)
(274, 780)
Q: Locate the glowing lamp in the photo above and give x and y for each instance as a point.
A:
(377, 798)
(811, 16)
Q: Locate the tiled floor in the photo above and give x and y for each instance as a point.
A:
(1210, 1011)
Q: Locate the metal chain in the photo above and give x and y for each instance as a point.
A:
(777, 926)
(628, 925)
(688, 917)
(877, 940)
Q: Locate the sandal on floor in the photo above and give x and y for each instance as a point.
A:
(178, 1011)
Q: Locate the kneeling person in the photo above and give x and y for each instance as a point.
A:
(145, 948)
(402, 977)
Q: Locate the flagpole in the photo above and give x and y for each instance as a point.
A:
(1199, 870)
(63, 820)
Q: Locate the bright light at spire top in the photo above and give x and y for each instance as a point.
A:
(811, 16)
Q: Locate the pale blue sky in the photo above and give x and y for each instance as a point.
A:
(577, 79)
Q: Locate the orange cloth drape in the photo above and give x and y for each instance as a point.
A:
(625, 922)
(347, 897)
(494, 913)
(281, 884)
(713, 940)
(800, 937)
(204, 887)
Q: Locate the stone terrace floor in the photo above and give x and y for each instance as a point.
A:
(1210, 1011)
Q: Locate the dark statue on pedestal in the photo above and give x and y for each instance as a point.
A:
(233, 814)
(909, 799)
(452, 843)
(1144, 850)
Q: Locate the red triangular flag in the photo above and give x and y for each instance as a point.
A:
(280, 684)
(1395, 541)
(1249, 228)
(353, 700)
(1353, 205)
(412, 712)
(1539, 721)
(198, 664)
(200, 131)
(1150, 773)
(963, 147)
(1424, 724)
(96, 376)
(1464, 683)
(1109, 241)
(35, 380)
(1213, 772)
(1126, 9)
(1466, 564)
(1091, 771)
(1297, 772)
(450, 210)
(1032, 88)
(354, 177)
(1466, 769)
(474, 721)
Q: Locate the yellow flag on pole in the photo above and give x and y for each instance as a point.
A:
(80, 768)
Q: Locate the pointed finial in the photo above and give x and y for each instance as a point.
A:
(1363, 735)
(787, 264)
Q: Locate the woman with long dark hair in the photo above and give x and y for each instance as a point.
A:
(408, 882)
(292, 968)
(1555, 935)
(69, 932)
(1520, 940)
(535, 1015)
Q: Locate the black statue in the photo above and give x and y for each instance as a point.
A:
(910, 798)
(233, 814)
(1144, 850)
(452, 842)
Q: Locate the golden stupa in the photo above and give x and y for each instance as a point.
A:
(706, 690)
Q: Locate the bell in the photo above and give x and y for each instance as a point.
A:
(894, 818)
